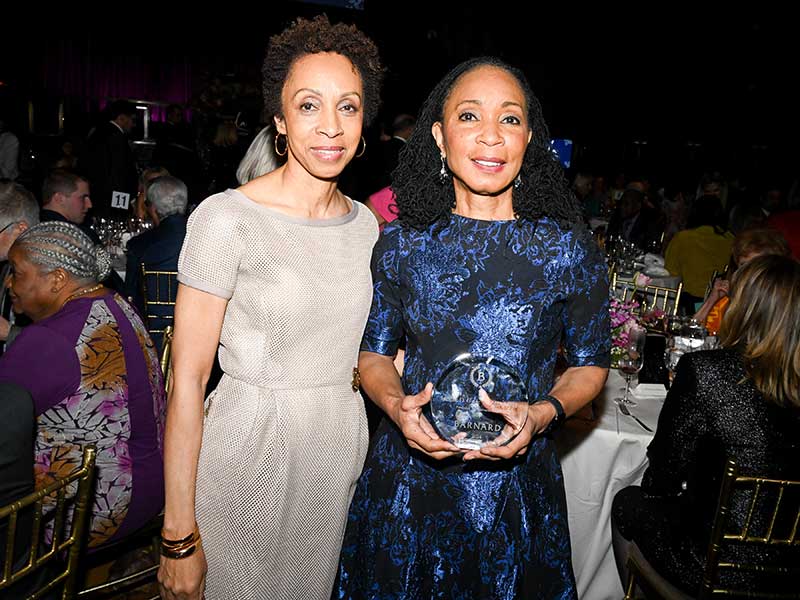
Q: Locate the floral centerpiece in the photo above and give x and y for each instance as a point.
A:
(624, 315)
(629, 313)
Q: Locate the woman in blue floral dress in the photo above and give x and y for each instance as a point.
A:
(489, 256)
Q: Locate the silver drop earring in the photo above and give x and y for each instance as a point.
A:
(443, 170)
(517, 181)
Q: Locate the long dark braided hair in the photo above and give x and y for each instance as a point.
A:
(423, 198)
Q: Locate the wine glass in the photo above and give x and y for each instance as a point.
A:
(632, 360)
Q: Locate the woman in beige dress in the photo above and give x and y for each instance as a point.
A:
(277, 275)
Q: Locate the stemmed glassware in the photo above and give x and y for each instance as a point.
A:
(631, 361)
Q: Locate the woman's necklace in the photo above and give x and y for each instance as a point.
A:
(82, 292)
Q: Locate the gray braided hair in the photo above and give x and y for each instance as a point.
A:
(58, 245)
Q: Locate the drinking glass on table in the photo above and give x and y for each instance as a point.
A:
(631, 361)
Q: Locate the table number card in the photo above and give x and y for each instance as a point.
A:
(120, 200)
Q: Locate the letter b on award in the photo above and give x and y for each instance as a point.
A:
(455, 409)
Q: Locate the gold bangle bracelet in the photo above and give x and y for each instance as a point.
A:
(181, 548)
(188, 539)
(184, 553)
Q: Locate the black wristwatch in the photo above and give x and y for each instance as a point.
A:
(560, 415)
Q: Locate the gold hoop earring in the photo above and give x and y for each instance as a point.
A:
(285, 147)
(364, 149)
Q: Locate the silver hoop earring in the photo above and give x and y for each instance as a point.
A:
(517, 181)
(364, 149)
(443, 170)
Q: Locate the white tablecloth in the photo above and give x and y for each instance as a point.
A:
(597, 462)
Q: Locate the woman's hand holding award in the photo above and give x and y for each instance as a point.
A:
(478, 401)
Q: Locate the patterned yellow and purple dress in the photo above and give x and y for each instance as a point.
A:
(95, 378)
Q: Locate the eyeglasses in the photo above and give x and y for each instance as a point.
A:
(7, 226)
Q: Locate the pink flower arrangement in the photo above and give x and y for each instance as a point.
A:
(624, 315)
(641, 280)
(652, 318)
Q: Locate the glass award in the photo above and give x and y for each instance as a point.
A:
(455, 409)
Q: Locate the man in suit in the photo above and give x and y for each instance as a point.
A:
(158, 249)
(111, 163)
(65, 198)
(637, 222)
(18, 212)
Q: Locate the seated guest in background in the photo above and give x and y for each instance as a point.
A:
(150, 173)
(696, 252)
(637, 222)
(18, 211)
(741, 402)
(748, 245)
(93, 374)
(65, 198)
(260, 157)
(787, 222)
(158, 249)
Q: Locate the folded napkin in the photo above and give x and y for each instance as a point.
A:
(651, 260)
(649, 390)
(656, 271)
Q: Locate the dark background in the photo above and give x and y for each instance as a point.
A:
(659, 88)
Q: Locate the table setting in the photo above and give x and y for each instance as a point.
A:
(603, 449)
(114, 235)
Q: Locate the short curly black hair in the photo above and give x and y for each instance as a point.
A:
(423, 197)
(304, 37)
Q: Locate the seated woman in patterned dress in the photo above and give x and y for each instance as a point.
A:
(93, 374)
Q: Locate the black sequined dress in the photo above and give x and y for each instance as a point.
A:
(711, 412)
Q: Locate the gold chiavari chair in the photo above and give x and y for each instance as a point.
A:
(620, 288)
(654, 296)
(39, 556)
(136, 581)
(166, 356)
(772, 521)
(159, 289)
(665, 298)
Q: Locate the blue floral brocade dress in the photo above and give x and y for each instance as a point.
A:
(420, 528)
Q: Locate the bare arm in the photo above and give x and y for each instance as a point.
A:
(198, 323)
(381, 382)
(720, 288)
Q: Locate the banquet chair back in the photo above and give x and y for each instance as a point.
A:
(665, 298)
(159, 290)
(622, 289)
(653, 296)
(166, 356)
(140, 576)
(770, 528)
(60, 556)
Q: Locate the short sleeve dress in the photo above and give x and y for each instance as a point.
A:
(420, 528)
(285, 435)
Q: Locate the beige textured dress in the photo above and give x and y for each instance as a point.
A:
(285, 436)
